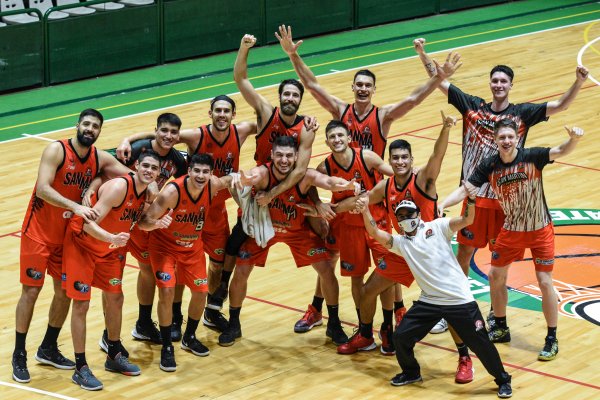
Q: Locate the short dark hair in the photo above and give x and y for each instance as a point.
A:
(503, 68)
(505, 123)
(91, 112)
(399, 144)
(294, 82)
(223, 97)
(168, 118)
(365, 72)
(334, 123)
(148, 153)
(202, 159)
(285, 141)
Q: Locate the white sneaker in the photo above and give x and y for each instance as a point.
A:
(440, 327)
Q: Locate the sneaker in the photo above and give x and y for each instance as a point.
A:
(357, 343)
(194, 346)
(122, 365)
(148, 332)
(86, 380)
(103, 343)
(19, 364)
(167, 359)
(336, 333)
(499, 335)
(505, 390)
(550, 350)
(53, 356)
(491, 321)
(214, 319)
(399, 314)
(440, 327)
(176, 329)
(387, 345)
(404, 379)
(465, 370)
(310, 319)
(232, 332)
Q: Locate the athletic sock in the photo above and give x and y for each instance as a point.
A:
(80, 361)
(333, 313)
(398, 305)
(114, 348)
(20, 340)
(165, 334)
(388, 317)
(51, 337)
(501, 322)
(145, 314)
(551, 333)
(177, 315)
(317, 303)
(463, 350)
(190, 328)
(366, 330)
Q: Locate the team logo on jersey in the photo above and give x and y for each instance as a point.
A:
(115, 281)
(219, 251)
(81, 287)
(544, 261)
(71, 163)
(408, 195)
(381, 264)
(244, 255)
(200, 282)
(145, 254)
(34, 274)
(347, 266)
(229, 155)
(479, 325)
(163, 276)
(428, 233)
(467, 233)
(316, 251)
(291, 199)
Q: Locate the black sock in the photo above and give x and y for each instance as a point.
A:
(165, 334)
(20, 341)
(551, 333)
(114, 347)
(190, 328)
(366, 330)
(234, 315)
(398, 305)
(177, 315)
(463, 350)
(388, 316)
(358, 314)
(333, 313)
(225, 276)
(501, 322)
(318, 303)
(145, 312)
(51, 337)
(80, 360)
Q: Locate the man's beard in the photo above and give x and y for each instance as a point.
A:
(289, 108)
(84, 140)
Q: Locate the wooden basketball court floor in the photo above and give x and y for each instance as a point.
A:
(271, 361)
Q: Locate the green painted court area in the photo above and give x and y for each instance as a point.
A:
(47, 109)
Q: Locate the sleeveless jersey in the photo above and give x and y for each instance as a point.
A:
(274, 128)
(367, 180)
(46, 223)
(226, 156)
(394, 195)
(171, 165)
(365, 133)
(185, 232)
(285, 215)
(121, 218)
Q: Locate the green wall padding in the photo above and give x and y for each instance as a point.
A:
(451, 5)
(372, 12)
(21, 56)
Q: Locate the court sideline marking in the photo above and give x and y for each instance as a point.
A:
(40, 391)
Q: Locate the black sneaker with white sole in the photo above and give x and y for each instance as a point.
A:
(214, 319)
(194, 346)
(53, 356)
(147, 332)
(20, 372)
(227, 338)
(167, 359)
(176, 328)
(505, 390)
(405, 379)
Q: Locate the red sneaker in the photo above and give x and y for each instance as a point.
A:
(399, 315)
(357, 343)
(387, 345)
(311, 319)
(465, 370)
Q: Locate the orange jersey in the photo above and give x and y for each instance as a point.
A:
(46, 223)
(121, 218)
(394, 195)
(184, 233)
(357, 170)
(365, 133)
(274, 128)
(226, 156)
(285, 215)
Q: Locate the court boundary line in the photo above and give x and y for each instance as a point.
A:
(39, 391)
(272, 85)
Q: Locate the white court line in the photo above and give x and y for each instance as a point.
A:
(27, 135)
(30, 389)
(580, 55)
(327, 74)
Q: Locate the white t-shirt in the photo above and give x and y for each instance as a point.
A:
(433, 264)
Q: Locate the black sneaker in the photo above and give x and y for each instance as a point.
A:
(86, 380)
(232, 332)
(19, 364)
(404, 379)
(499, 335)
(148, 332)
(214, 319)
(505, 390)
(103, 343)
(336, 333)
(167, 359)
(195, 346)
(176, 328)
(53, 356)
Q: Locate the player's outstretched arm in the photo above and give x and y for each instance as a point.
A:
(427, 176)
(123, 151)
(458, 223)
(556, 106)
(429, 64)
(109, 166)
(575, 134)
(383, 237)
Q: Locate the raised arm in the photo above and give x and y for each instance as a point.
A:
(383, 237)
(334, 105)
(429, 64)
(575, 134)
(457, 223)
(240, 74)
(245, 129)
(556, 106)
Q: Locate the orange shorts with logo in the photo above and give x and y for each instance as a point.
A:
(172, 266)
(215, 233)
(484, 230)
(510, 246)
(137, 245)
(37, 259)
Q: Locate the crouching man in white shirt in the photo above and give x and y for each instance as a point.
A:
(444, 290)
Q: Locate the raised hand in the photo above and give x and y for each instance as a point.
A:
(449, 67)
(311, 124)
(285, 40)
(248, 41)
(419, 44)
(165, 221)
(574, 132)
(448, 121)
(581, 73)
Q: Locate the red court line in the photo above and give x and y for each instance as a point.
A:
(15, 234)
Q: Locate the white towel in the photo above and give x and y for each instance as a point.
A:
(256, 220)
